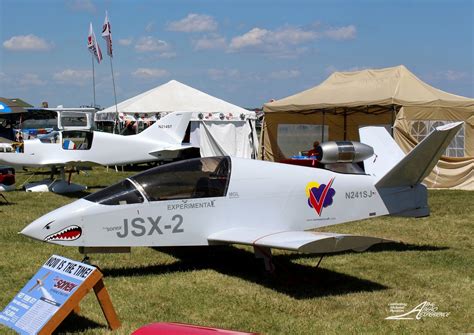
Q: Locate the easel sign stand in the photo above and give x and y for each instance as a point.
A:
(53, 293)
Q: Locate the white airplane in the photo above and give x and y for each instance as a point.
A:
(83, 148)
(224, 200)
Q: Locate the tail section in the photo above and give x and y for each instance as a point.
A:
(415, 166)
(392, 168)
(399, 177)
(387, 153)
(170, 129)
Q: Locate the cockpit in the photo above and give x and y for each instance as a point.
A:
(190, 179)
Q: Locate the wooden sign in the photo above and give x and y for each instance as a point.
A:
(53, 293)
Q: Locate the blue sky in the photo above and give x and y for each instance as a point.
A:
(245, 52)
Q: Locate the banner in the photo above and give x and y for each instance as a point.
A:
(107, 34)
(93, 46)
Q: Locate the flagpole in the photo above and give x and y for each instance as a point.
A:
(93, 77)
(115, 95)
(107, 35)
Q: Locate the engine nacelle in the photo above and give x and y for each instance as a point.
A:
(343, 152)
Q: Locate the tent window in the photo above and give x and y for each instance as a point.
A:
(294, 138)
(419, 129)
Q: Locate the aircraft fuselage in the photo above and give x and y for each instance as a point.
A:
(259, 195)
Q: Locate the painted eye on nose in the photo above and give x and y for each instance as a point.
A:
(47, 226)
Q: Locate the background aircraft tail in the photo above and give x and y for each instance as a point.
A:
(170, 128)
(399, 177)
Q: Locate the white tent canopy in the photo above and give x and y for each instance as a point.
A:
(217, 127)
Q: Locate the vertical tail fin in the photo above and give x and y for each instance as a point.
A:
(419, 162)
(398, 177)
(387, 153)
(392, 168)
(171, 128)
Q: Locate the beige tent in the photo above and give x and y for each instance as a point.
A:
(335, 109)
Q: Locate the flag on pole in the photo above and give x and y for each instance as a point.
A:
(107, 34)
(93, 46)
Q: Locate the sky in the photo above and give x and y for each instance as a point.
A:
(245, 52)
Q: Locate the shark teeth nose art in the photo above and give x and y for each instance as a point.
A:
(70, 233)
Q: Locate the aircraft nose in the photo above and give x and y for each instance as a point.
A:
(35, 229)
(58, 223)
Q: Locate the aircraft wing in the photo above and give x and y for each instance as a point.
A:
(301, 241)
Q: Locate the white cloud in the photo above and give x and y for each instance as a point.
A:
(125, 41)
(148, 73)
(193, 23)
(211, 42)
(285, 74)
(30, 79)
(287, 41)
(269, 39)
(81, 6)
(254, 37)
(27, 43)
(73, 77)
(149, 44)
(341, 33)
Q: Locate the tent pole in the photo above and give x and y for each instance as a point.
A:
(93, 78)
(254, 154)
(324, 120)
(116, 119)
(262, 130)
(393, 118)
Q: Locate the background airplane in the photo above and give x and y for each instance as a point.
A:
(224, 200)
(83, 148)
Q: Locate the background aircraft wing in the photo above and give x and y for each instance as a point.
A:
(301, 241)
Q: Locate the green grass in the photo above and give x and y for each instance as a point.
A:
(226, 287)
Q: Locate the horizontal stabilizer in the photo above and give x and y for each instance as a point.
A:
(301, 241)
(419, 162)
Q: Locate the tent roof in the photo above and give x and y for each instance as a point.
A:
(381, 87)
(10, 106)
(175, 96)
